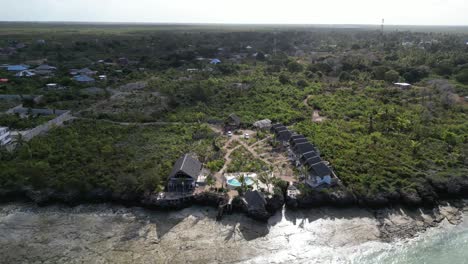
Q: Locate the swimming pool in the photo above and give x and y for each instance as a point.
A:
(235, 182)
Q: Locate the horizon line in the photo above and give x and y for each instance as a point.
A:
(223, 23)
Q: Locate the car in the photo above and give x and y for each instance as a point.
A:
(246, 136)
(229, 134)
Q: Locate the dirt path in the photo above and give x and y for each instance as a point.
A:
(316, 113)
(135, 123)
(227, 160)
(253, 152)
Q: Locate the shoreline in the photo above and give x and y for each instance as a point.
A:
(394, 221)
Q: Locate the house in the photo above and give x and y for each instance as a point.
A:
(83, 79)
(45, 69)
(102, 77)
(25, 73)
(262, 124)
(215, 61)
(17, 68)
(84, 71)
(232, 123)
(5, 136)
(3, 80)
(184, 174)
(320, 174)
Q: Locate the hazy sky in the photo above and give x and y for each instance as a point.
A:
(414, 12)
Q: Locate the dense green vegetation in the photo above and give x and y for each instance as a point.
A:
(385, 140)
(88, 155)
(378, 138)
(244, 161)
(22, 123)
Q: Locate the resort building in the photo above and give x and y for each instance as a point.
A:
(184, 174)
(232, 123)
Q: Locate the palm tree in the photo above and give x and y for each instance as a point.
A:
(241, 179)
(210, 181)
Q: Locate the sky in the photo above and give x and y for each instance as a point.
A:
(395, 12)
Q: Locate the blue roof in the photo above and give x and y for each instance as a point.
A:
(83, 78)
(17, 67)
(215, 61)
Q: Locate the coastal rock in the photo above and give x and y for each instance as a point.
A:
(274, 203)
(410, 198)
(39, 197)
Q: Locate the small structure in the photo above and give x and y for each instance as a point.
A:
(3, 80)
(102, 77)
(262, 124)
(232, 123)
(5, 136)
(25, 73)
(402, 85)
(215, 61)
(184, 174)
(83, 79)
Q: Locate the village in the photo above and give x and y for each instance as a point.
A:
(280, 154)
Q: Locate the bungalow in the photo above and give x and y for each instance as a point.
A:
(296, 136)
(25, 73)
(276, 126)
(302, 148)
(308, 155)
(298, 140)
(83, 79)
(312, 161)
(184, 174)
(5, 136)
(283, 136)
(319, 174)
(232, 123)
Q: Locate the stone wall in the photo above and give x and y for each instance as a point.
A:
(58, 121)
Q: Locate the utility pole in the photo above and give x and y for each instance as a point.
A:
(383, 22)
